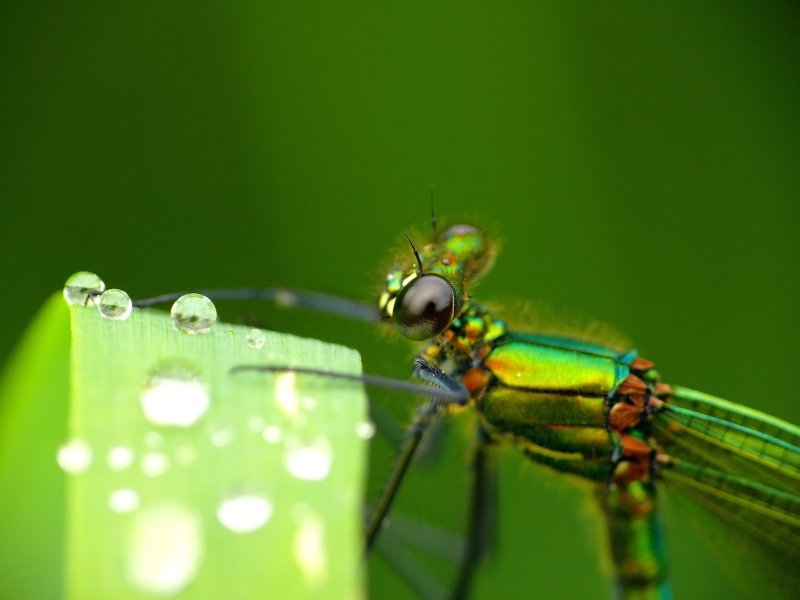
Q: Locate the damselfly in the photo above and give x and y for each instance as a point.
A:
(582, 407)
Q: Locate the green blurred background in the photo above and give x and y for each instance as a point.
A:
(642, 166)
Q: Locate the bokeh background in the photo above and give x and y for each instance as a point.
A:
(641, 164)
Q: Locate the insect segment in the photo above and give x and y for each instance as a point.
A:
(573, 405)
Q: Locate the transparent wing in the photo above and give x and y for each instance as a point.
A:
(743, 467)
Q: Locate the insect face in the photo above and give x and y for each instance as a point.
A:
(423, 298)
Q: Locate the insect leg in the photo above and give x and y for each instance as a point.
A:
(408, 447)
(482, 518)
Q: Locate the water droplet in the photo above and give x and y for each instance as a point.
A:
(193, 313)
(185, 455)
(74, 457)
(81, 286)
(115, 304)
(309, 461)
(119, 458)
(123, 501)
(221, 437)
(256, 338)
(153, 439)
(286, 393)
(165, 549)
(272, 434)
(309, 549)
(174, 396)
(286, 298)
(154, 464)
(365, 430)
(244, 513)
(256, 424)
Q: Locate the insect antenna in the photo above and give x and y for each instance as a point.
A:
(433, 216)
(283, 297)
(419, 262)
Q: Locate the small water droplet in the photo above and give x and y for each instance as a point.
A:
(115, 304)
(74, 457)
(165, 549)
(153, 439)
(221, 437)
(365, 430)
(123, 501)
(185, 455)
(244, 513)
(256, 338)
(309, 461)
(193, 313)
(256, 424)
(120, 458)
(154, 464)
(82, 285)
(174, 396)
(309, 549)
(286, 298)
(272, 434)
(286, 393)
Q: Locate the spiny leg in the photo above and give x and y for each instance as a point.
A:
(481, 517)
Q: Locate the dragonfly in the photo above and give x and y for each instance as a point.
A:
(579, 406)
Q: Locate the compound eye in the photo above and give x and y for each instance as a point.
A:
(424, 308)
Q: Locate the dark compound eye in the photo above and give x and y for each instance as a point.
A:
(424, 308)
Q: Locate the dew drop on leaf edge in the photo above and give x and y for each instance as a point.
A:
(115, 304)
(80, 286)
(193, 313)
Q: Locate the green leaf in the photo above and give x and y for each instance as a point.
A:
(258, 494)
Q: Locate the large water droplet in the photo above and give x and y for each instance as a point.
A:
(120, 458)
(115, 304)
(74, 457)
(244, 513)
(174, 396)
(309, 461)
(309, 549)
(165, 549)
(256, 338)
(82, 285)
(193, 313)
(123, 501)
